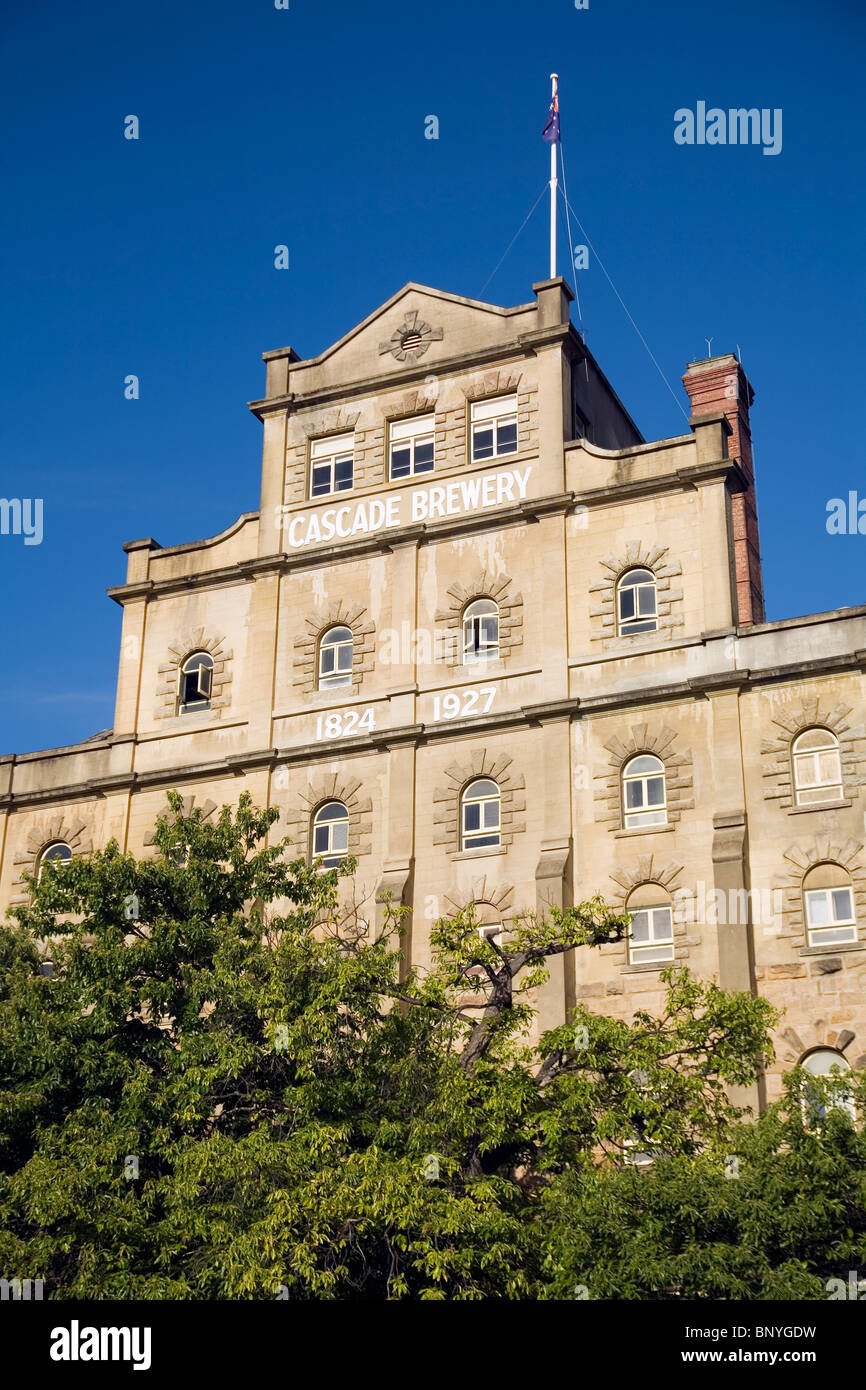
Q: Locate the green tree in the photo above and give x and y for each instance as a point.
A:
(227, 1086)
(776, 1213)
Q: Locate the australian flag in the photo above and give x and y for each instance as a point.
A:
(551, 129)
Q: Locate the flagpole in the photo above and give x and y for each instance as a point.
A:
(554, 79)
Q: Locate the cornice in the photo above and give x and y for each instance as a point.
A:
(421, 533)
(529, 715)
(523, 346)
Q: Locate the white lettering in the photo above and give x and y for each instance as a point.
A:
(464, 494)
(522, 482)
(437, 501)
(471, 489)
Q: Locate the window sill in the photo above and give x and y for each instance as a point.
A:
(646, 966)
(646, 830)
(482, 852)
(832, 949)
(819, 806)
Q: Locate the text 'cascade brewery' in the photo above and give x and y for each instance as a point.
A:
(425, 504)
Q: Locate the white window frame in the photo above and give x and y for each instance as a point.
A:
(420, 429)
(639, 622)
(814, 792)
(327, 453)
(638, 817)
(44, 853)
(658, 949)
(332, 680)
(491, 835)
(811, 1119)
(204, 687)
(333, 854)
(485, 648)
(836, 930)
(496, 413)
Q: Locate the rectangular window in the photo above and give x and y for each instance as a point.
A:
(830, 916)
(412, 446)
(494, 428)
(331, 465)
(652, 935)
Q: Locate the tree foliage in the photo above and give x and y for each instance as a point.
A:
(226, 1085)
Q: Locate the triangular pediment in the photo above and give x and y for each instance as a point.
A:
(420, 325)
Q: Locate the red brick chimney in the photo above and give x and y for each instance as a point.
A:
(719, 386)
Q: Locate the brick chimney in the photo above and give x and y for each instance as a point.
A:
(719, 386)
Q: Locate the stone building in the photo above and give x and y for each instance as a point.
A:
(485, 637)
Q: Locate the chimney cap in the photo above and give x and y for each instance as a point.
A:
(703, 364)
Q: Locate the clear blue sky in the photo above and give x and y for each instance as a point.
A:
(306, 127)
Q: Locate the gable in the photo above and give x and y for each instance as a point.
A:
(417, 326)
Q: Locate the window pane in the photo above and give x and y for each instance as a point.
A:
(656, 791)
(626, 603)
(843, 908)
(506, 437)
(340, 835)
(343, 474)
(472, 815)
(320, 839)
(344, 653)
(647, 600)
(634, 794)
(817, 908)
(401, 460)
(640, 926)
(491, 815)
(321, 480)
(424, 456)
(806, 770)
(482, 442)
(662, 922)
(326, 658)
(483, 787)
(490, 629)
(828, 768)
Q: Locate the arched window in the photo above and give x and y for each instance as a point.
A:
(480, 631)
(651, 938)
(817, 767)
(194, 688)
(643, 792)
(829, 901)
(336, 650)
(825, 1062)
(58, 852)
(489, 928)
(331, 834)
(636, 607)
(479, 809)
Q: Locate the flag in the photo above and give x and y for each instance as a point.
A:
(551, 129)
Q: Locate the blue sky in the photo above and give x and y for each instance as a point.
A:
(306, 127)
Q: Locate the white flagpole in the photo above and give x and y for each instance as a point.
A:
(554, 79)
